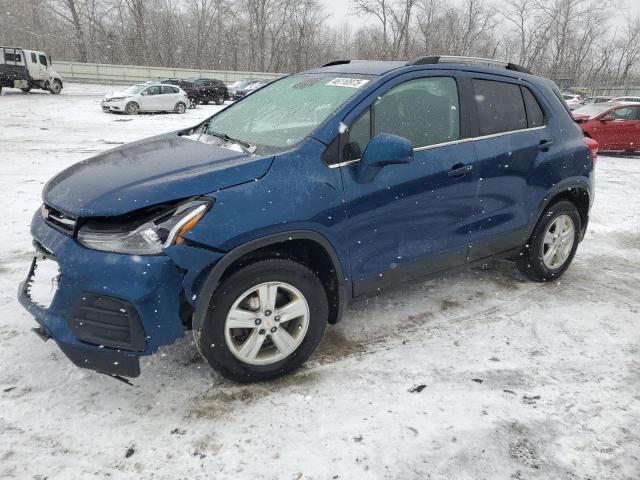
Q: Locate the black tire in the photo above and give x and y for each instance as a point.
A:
(193, 103)
(180, 108)
(55, 87)
(530, 261)
(132, 108)
(26, 90)
(211, 341)
(219, 99)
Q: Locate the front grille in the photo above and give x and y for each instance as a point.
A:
(109, 322)
(58, 220)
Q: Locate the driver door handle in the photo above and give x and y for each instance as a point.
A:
(460, 170)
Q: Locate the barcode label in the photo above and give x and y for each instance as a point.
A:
(348, 82)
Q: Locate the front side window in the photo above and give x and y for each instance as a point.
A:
(500, 107)
(155, 90)
(425, 111)
(284, 112)
(43, 60)
(359, 136)
(626, 113)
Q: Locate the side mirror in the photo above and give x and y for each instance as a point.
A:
(384, 149)
(145, 93)
(608, 118)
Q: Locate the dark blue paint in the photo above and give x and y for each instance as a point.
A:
(436, 208)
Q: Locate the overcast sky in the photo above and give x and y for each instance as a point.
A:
(342, 9)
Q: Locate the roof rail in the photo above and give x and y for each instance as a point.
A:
(430, 60)
(336, 62)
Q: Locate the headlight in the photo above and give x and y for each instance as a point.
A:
(147, 235)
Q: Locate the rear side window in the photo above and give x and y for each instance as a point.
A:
(535, 116)
(34, 59)
(500, 107)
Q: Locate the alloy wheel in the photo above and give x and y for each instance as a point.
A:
(558, 242)
(267, 323)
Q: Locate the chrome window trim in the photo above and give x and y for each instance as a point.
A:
(453, 142)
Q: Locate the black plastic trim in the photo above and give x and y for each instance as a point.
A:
(103, 361)
(213, 278)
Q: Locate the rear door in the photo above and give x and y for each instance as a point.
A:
(411, 219)
(169, 97)
(512, 138)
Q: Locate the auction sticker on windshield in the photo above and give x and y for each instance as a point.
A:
(348, 82)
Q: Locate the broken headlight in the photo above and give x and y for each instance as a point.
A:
(146, 233)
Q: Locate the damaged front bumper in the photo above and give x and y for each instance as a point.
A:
(109, 309)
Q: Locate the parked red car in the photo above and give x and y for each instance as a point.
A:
(613, 126)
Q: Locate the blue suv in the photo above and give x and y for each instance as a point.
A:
(256, 227)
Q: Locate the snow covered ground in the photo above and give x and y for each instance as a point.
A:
(480, 375)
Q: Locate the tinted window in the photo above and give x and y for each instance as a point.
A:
(535, 117)
(43, 60)
(167, 90)
(34, 59)
(425, 111)
(500, 107)
(155, 90)
(359, 135)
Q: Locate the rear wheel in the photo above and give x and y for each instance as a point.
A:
(263, 321)
(180, 108)
(553, 243)
(132, 108)
(55, 87)
(219, 99)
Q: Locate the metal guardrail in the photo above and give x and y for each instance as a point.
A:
(617, 91)
(128, 74)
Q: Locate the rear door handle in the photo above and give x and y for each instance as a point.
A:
(460, 170)
(544, 145)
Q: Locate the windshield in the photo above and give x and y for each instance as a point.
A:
(132, 90)
(592, 110)
(284, 112)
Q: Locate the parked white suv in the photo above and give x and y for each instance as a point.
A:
(147, 98)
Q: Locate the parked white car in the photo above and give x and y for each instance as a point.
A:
(626, 100)
(574, 101)
(147, 98)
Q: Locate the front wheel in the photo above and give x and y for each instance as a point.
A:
(180, 108)
(219, 99)
(55, 87)
(553, 243)
(263, 321)
(132, 108)
(26, 90)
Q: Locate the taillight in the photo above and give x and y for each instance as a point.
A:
(593, 146)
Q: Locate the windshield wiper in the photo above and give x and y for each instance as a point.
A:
(247, 147)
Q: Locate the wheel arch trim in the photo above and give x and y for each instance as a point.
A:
(212, 279)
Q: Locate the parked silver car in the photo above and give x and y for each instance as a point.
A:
(147, 98)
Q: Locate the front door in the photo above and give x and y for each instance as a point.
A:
(150, 99)
(623, 131)
(411, 219)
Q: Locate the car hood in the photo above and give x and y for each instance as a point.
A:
(148, 172)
